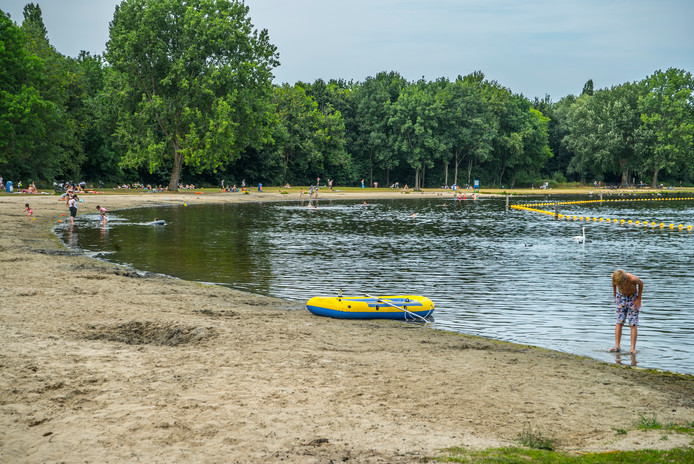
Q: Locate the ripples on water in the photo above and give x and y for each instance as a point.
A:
(514, 276)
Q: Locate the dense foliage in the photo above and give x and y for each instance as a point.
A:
(184, 94)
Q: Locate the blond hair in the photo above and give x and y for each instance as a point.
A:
(619, 277)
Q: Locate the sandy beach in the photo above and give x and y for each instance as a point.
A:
(99, 363)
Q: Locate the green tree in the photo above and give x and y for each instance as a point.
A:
(536, 150)
(588, 88)
(603, 132)
(30, 122)
(415, 122)
(467, 126)
(666, 105)
(193, 80)
(557, 129)
(336, 103)
(508, 110)
(98, 119)
(64, 86)
(374, 100)
(305, 142)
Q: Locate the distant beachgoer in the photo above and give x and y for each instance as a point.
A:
(627, 290)
(28, 210)
(72, 205)
(102, 212)
(362, 183)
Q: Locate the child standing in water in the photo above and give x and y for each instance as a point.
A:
(627, 290)
(72, 206)
(102, 212)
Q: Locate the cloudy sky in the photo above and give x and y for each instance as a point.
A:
(533, 47)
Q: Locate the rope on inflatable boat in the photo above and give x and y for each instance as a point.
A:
(381, 300)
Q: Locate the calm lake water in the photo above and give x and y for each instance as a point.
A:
(508, 275)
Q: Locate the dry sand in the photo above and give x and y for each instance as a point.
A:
(101, 364)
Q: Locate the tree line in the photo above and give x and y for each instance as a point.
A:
(184, 92)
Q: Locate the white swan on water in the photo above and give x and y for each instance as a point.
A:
(580, 238)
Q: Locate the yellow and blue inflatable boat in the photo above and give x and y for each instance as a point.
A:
(401, 307)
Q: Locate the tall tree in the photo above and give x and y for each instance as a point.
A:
(467, 126)
(306, 142)
(374, 100)
(336, 103)
(415, 121)
(48, 94)
(25, 115)
(666, 105)
(588, 88)
(194, 79)
(557, 129)
(536, 151)
(603, 131)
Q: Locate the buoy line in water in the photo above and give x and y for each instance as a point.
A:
(583, 202)
(624, 222)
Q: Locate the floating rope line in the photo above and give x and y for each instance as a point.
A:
(583, 202)
(569, 217)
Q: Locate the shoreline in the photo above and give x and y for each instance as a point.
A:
(103, 364)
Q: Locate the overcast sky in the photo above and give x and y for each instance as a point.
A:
(533, 47)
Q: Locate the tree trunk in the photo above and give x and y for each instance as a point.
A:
(469, 170)
(501, 176)
(424, 173)
(654, 184)
(625, 172)
(416, 179)
(513, 178)
(176, 170)
(371, 168)
(445, 177)
(455, 174)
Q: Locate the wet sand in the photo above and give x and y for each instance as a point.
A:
(99, 363)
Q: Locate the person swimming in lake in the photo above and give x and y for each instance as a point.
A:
(627, 290)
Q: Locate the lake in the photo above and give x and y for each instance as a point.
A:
(508, 275)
